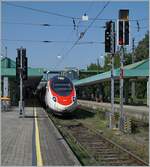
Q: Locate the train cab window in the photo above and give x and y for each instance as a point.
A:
(61, 86)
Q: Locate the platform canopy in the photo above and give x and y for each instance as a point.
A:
(8, 69)
(136, 71)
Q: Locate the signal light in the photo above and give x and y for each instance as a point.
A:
(21, 67)
(25, 68)
(126, 32)
(24, 65)
(123, 33)
(121, 39)
(108, 37)
(18, 64)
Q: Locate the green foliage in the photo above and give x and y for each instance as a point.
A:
(107, 63)
(128, 59)
(93, 66)
(117, 60)
(142, 50)
(141, 89)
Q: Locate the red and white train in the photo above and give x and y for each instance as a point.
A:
(59, 95)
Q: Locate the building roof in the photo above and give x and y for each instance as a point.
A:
(7, 63)
(8, 68)
(32, 72)
(138, 69)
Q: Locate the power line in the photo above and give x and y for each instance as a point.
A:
(74, 24)
(51, 41)
(47, 24)
(39, 10)
(96, 18)
(90, 6)
(81, 36)
(28, 24)
(65, 16)
(60, 25)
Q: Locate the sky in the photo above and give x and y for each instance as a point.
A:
(22, 27)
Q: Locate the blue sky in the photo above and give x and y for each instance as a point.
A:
(46, 54)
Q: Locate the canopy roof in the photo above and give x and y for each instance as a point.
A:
(8, 68)
(136, 70)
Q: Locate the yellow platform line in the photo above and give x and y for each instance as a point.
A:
(37, 141)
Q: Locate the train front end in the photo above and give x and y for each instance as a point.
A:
(61, 95)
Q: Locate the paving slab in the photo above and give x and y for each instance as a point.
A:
(54, 149)
(16, 138)
(18, 146)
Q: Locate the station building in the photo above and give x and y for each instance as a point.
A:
(9, 85)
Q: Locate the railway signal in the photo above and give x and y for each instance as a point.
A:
(18, 65)
(21, 74)
(123, 32)
(126, 24)
(123, 39)
(21, 64)
(110, 45)
(120, 39)
(24, 65)
(110, 37)
(123, 28)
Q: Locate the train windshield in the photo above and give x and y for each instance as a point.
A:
(61, 85)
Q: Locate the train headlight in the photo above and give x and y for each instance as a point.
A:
(54, 99)
(74, 98)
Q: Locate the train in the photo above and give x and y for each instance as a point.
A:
(58, 94)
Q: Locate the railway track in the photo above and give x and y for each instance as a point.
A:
(102, 150)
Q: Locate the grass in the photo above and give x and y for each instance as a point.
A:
(136, 143)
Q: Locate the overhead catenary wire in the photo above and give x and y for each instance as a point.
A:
(59, 25)
(38, 10)
(84, 32)
(51, 41)
(74, 28)
(90, 6)
(66, 16)
(27, 23)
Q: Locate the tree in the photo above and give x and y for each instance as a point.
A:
(142, 50)
(92, 66)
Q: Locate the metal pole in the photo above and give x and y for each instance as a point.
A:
(121, 90)
(133, 48)
(133, 82)
(148, 89)
(112, 90)
(21, 86)
(112, 73)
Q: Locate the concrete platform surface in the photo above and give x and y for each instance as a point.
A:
(18, 140)
(138, 112)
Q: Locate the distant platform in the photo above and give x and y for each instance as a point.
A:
(137, 112)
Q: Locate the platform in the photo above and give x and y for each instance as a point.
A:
(137, 112)
(20, 136)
